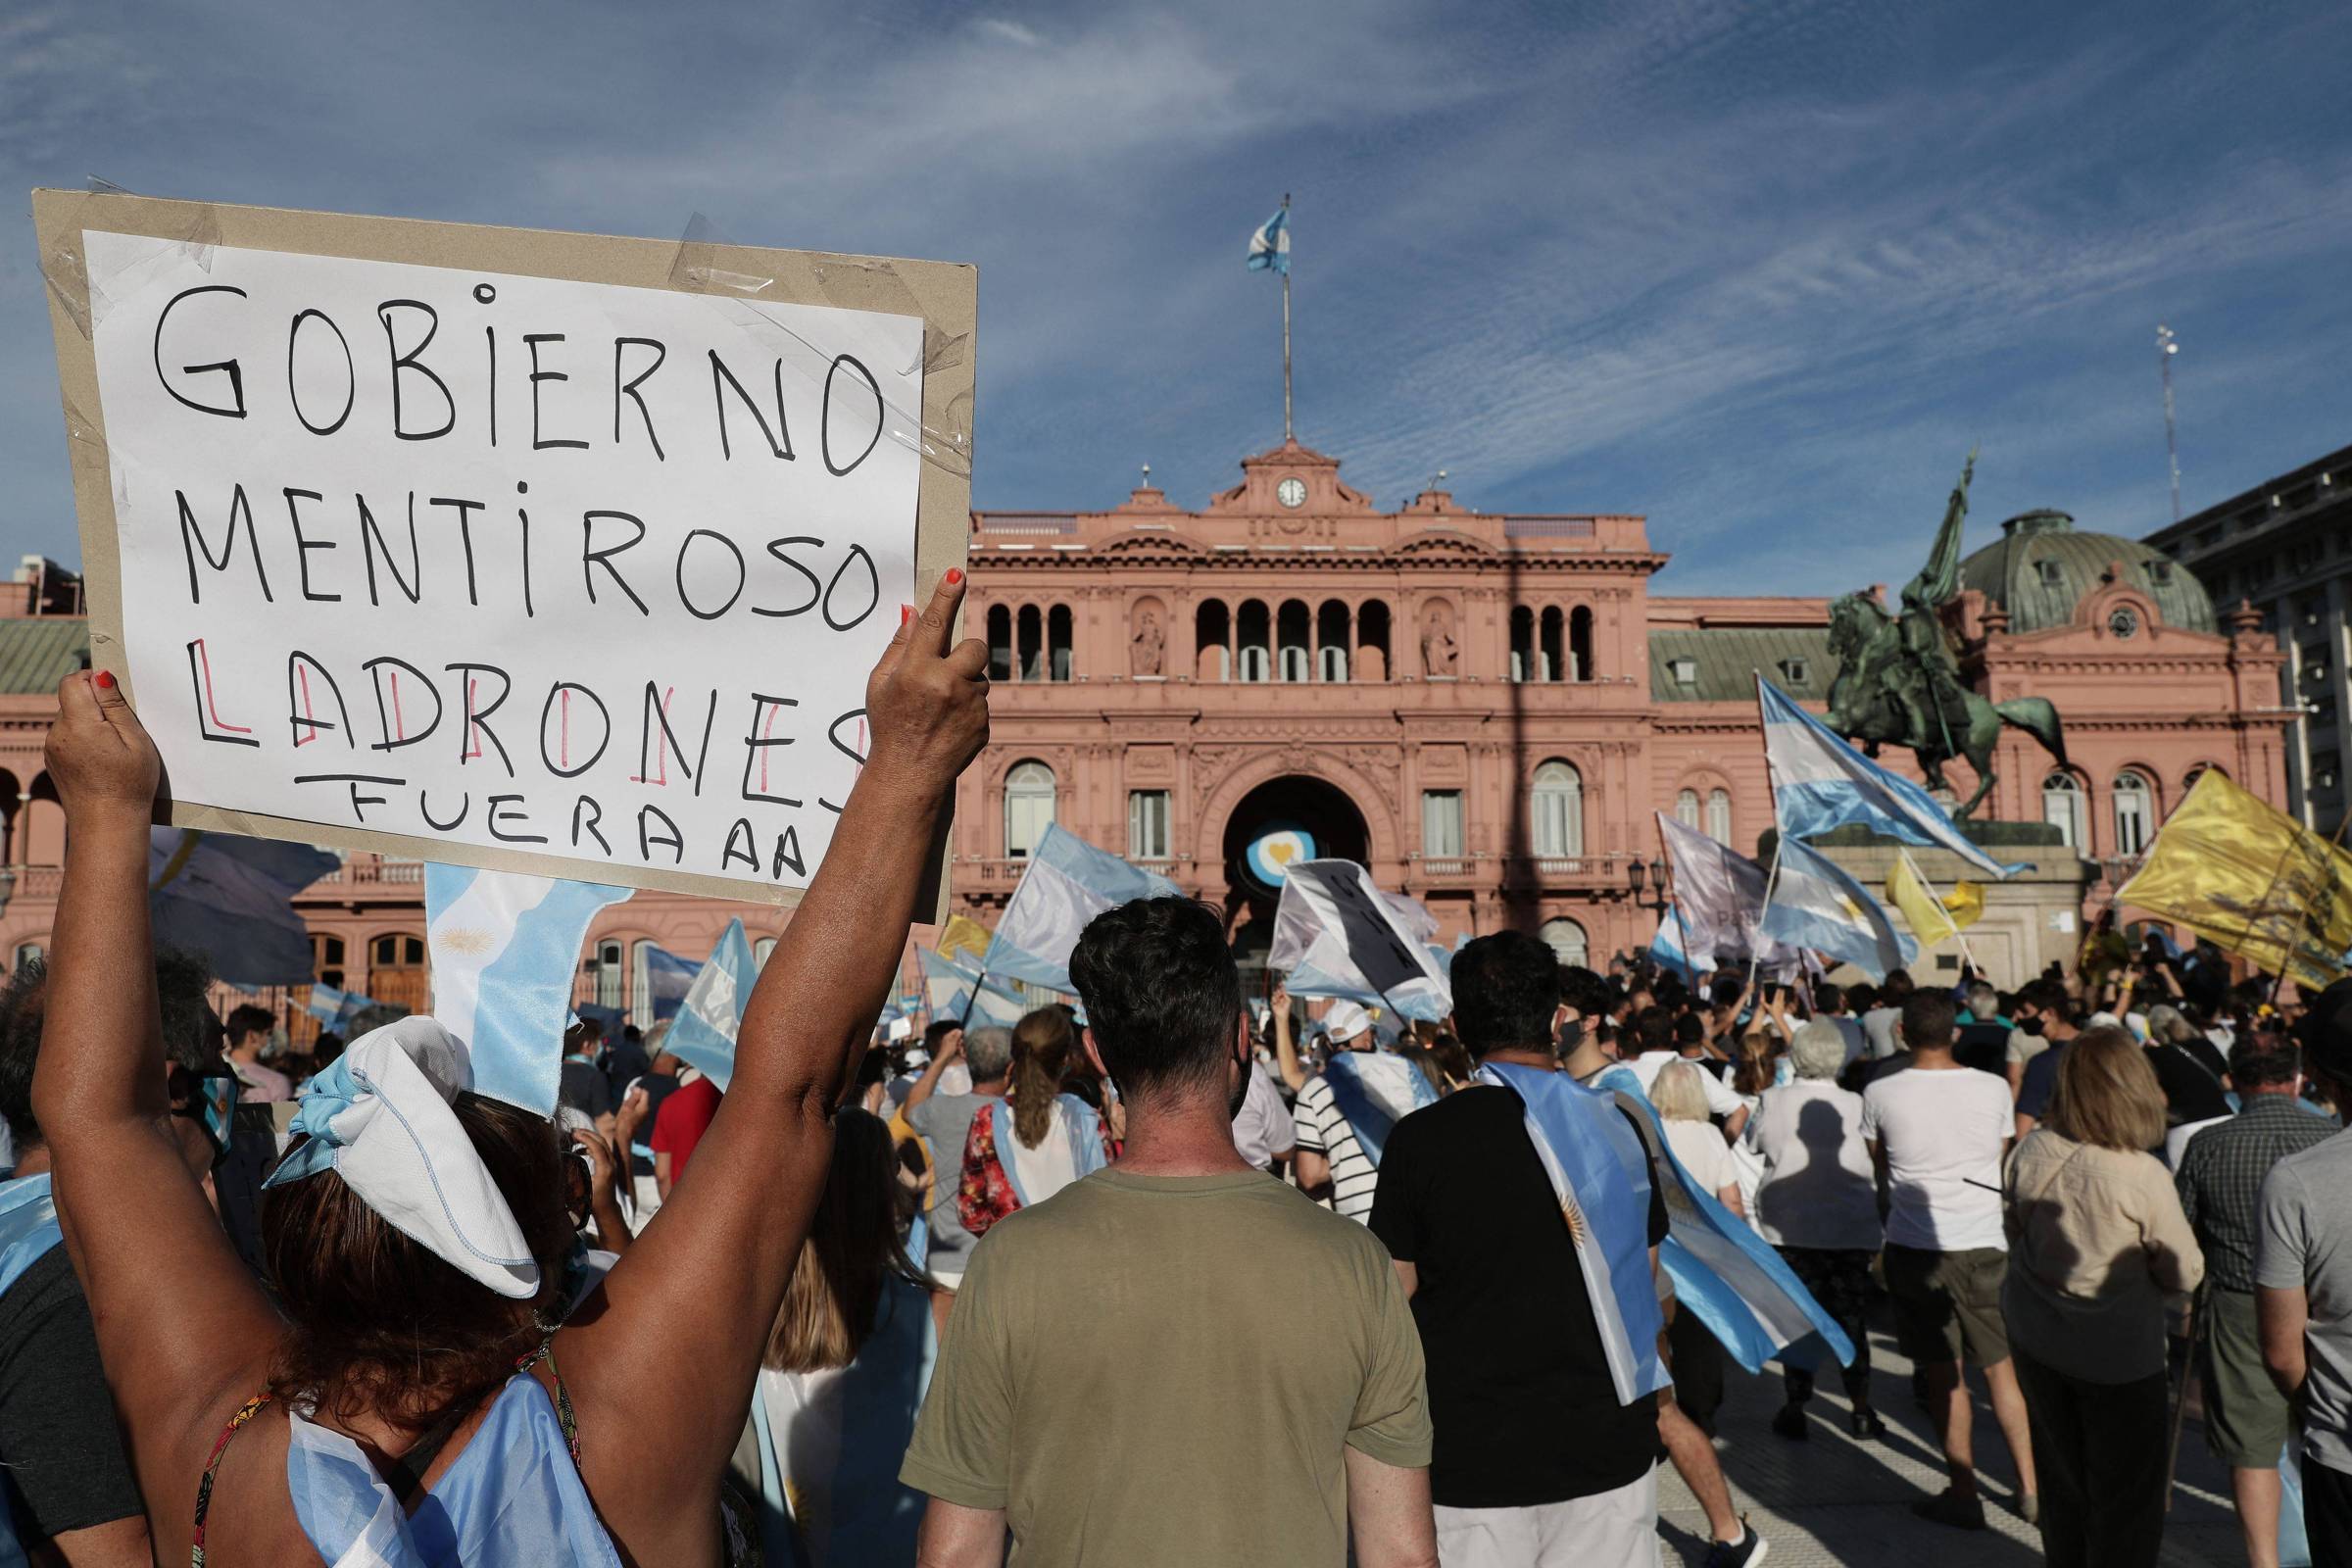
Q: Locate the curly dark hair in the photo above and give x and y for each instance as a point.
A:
(376, 1323)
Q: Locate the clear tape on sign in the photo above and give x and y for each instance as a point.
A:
(86, 299)
(865, 283)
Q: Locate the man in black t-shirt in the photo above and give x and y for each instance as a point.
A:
(1535, 1463)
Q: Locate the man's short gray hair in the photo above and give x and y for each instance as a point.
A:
(988, 1053)
(1818, 1049)
(1983, 1001)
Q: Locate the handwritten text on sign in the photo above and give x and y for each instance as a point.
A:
(515, 562)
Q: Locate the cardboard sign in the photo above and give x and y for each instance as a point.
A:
(503, 548)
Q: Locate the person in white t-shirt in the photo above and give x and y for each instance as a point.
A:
(1682, 1106)
(1936, 1134)
(1656, 1033)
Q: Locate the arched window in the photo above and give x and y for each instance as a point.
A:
(1580, 643)
(2062, 809)
(1057, 643)
(1559, 810)
(610, 975)
(1213, 636)
(1030, 635)
(396, 969)
(2134, 813)
(1550, 655)
(1254, 633)
(1330, 641)
(2188, 780)
(1372, 641)
(1522, 643)
(999, 642)
(1291, 630)
(1685, 808)
(1566, 939)
(1719, 816)
(1028, 807)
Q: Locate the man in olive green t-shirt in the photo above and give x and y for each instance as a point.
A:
(1178, 1360)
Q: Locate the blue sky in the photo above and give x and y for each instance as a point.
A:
(1762, 270)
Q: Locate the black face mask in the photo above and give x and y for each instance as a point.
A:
(2031, 1026)
(1572, 1034)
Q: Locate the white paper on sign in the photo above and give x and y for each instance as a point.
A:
(504, 562)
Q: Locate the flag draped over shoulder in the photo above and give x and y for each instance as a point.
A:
(1818, 782)
(230, 897)
(702, 1034)
(1068, 883)
(2251, 880)
(1270, 243)
(504, 946)
(1733, 1279)
(1341, 936)
(1815, 904)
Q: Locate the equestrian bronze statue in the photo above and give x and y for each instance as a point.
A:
(1898, 683)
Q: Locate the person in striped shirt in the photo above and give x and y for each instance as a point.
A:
(1334, 1168)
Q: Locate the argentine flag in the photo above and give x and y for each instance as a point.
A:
(1818, 782)
(505, 948)
(230, 897)
(1815, 904)
(948, 991)
(1270, 243)
(666, 978)
(702, 1034)
(1068, 884)
(1671, 949)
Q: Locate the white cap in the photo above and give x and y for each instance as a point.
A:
(1345, 1020)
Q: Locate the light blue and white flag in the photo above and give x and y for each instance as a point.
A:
(1725, 1273)
(666, 979)
(1820, 782)
(335, 1007)
(1270, 242)
(1674, 947)
(947, 992)
(505, 948)
(702, 1034)
(1068, 883)
(231, 899)
(1815, 904)
(1375, 1091)
(1602, 1179)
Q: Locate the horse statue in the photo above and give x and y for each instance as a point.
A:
(1897, 683)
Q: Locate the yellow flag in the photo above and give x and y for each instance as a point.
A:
(963, 934)
(2252, 880)
(1965, 904)
(1907, 890)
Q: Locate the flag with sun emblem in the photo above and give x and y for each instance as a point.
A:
(1815, 904)
(503, 948)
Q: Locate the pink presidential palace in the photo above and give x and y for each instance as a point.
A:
(1486, 710)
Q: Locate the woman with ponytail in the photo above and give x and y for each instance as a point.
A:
(1030, 1145)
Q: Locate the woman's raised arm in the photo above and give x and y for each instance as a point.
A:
(182, 1328)
(661, 1368)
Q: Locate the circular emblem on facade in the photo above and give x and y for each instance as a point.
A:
(1291, 492)
(2125, 622)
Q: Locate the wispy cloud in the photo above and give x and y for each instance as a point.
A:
(1762, 270)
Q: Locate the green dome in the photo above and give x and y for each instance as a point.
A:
(2041, 569)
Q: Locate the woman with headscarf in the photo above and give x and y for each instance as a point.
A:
(1024, 1149)
(844, 1373)
(2097, 1243)
(408, 1396)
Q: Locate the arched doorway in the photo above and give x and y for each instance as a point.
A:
(1320, 810)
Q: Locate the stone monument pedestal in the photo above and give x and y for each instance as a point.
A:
(2031, 920)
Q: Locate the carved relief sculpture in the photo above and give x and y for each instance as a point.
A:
(1441, 654)
(1144, 648)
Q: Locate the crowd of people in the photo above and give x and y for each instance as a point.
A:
(1155, 1277)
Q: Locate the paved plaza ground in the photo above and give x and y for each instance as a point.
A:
(1836, 1499)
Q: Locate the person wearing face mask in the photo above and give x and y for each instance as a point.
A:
(2038, 1002)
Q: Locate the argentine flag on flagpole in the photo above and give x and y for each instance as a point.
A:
(1068, 883)
(1270, 243)
(1815, 904)
(1820, 782)
(505, 948)
(702, 1034)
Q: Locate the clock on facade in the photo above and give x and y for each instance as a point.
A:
(1291, 492)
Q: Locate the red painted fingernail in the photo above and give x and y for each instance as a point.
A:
(106, 680)
(955, 576)
(905, 613)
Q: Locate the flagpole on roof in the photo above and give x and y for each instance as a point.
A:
(1286, 329)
